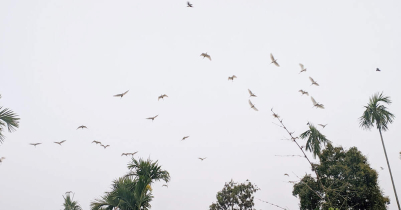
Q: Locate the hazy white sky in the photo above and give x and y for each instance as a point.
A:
(62, 61)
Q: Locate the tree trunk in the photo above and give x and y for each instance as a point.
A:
(389, 169)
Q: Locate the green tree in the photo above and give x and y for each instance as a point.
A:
(377, 113)
(349, 183)
(133, 191)
(235, 197)
(69, 204)
(7, 119)
(314, 140)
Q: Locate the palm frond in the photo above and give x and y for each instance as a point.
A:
(9, 119)
(376, 113)
(314, 140)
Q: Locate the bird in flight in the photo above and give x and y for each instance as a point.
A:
(377, 69)
(251, 94)
(322, 125)
(313, 81)
(1, 159)
(121, 94)
(165, 185)
(96, 142)
(252, 105)
(304, 92)
(162, 97)
(381, 168)
(273, 60)
(82, 127)
(59, 143)
(232, 78)
(205, 55)
(302, 68)
(189, 4)
(286, 175)
(202, 158)
(35, 144)
(126, 154)
(185, 137)
(152, 118)
(104, 146)
(315, 104)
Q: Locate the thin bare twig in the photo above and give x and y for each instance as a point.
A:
(273, 204)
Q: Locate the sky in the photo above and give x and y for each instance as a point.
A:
(61, 62)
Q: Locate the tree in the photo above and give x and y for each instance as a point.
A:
(69, 204)
(7, 119)
(235, 197)
(133, 191)
(349, 181)
(376, 113)
(315, 139)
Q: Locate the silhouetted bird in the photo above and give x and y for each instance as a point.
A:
(121, 94)
(162, 97)
(232, 78)
(189, 4)
(152, 118)
(302, 68)
(322, 125)
(205, 55)
(35, 144)
(82, 127)
(252, 105)
(273, 60)
(377, 69)
(202, 158)
(304, 92)
(317, 105)
(251, 94)
(59, 143)
(313, 81)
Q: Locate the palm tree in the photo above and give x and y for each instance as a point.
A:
(69, 204)
(133, 191)
(7, 119)
(315, 138)
(376, 113)
(125, 194)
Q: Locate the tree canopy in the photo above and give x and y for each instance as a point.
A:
(235, 197)
(348, 180)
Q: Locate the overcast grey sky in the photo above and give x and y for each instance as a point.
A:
(62, 61)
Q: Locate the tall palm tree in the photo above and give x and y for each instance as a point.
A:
(69, 204)
(315, 139)
(125, 194)
(7, 119)
(376, 113)
(133, 191)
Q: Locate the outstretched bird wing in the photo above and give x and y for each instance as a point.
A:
(313, 81)
(271, 57)
(250, 92)
(313, 101)
(302, 66)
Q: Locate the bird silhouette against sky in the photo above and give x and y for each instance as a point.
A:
(313, 81)
(205, 55)
(302, 68)
(315, 104)
(251, 94)
(121, 94)
(152, 118)
(185, 137)
(60, 142)
(202, 158)
(189, 4)
(35, 144)
(274, 60)
(232, 78)
(252, 105)
(82, 127)
(304, 92)
(322, 125)
(162, 97)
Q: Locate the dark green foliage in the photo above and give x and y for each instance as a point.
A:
(69, 204)
(314, 140)
(376, 113)
(133, 191)
(349, 183)
(235, 197)
(7, 119)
